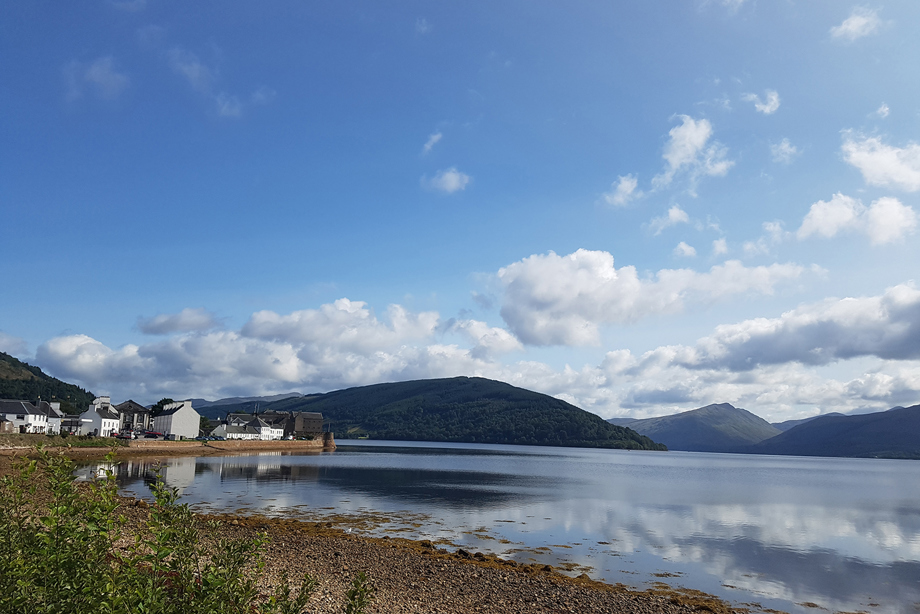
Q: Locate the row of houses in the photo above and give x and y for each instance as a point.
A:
(102, 419)
(175, 421)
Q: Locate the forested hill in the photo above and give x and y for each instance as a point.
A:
(463, 409)
(22, 381)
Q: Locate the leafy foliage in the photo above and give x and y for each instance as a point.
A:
(19, 380)
(464, 409)
(59, 552)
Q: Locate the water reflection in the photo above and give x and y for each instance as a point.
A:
(841, 533)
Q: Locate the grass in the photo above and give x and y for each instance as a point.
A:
(65, 548)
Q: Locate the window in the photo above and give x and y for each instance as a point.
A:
(21, 417)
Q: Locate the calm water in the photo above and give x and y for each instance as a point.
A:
(777, 531)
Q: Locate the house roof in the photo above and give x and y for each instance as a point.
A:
(131, 407)
(241, 430)
(107, 414)
(10, 406)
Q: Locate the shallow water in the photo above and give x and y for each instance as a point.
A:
(780, 532)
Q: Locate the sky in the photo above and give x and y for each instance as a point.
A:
(637, 210)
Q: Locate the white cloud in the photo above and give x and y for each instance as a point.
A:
(675, 216)
(189, 66)
(228, 105)
(100, 77)
(884, 165)
(447, 181)
(422, 26)
(14, 346)
(719, 247)
(773, 235)
(688, 151)
(783, 152)
(827, 218)
(563, 300)
(684, 251)
(768, 106)
(886, 326)
(862, 22)
(883, 111)
(886, 220)
(186, 320)
(623, 191)
(488, 341)
(431, 142)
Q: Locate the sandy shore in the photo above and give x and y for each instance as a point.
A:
(417, 576)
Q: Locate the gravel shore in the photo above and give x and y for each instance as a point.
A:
(418, 577)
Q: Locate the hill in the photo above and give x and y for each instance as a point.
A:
(714, 428)
(463, 409)
(888, 434)
(788, 424)
(19, 380)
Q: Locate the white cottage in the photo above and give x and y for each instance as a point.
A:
(99, 420)
(26, 417)
(178, 419)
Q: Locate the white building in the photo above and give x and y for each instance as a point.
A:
(99, 420)
(178, 419)
(55, 416)
(255, 429)
(26, 417)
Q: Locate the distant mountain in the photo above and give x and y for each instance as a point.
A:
(714, 428)
(788, 424)
(201, 403)
(463, 409)
(19, 380)
(622, 421)
(888, 434)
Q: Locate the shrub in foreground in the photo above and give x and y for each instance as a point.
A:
(64, 548)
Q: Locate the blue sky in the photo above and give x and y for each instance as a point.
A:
(637, 210)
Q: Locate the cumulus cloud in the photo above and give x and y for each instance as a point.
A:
(563, 300)
(447, 181)
(100, 77)
(862, 22)
(684, 251)
(689, 151)
(431, 142)
(719, 247)
(884, 165)
(768, 106)
(773, 234)
(783, 152)
(186, 320)
(886, 326)
(886, 220)
(675, 216)
(623, 191)
(488, 341)
(883, 111)
(337, 345)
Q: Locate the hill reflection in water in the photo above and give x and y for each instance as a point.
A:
(780, 531)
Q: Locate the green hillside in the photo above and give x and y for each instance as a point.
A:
(463, 409)
(887, 434)
(19, 380)
(714, 428)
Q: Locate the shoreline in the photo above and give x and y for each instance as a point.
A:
(410, 576)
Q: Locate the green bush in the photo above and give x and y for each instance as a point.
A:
(65, 549)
